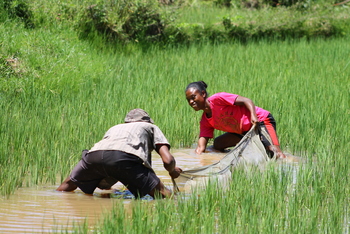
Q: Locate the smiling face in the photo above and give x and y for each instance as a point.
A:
(196, 99)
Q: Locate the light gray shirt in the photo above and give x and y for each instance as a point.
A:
(137, 138)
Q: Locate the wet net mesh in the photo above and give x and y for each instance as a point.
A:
(249, 151)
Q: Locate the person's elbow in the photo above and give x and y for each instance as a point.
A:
(169, 163)
(168, 160)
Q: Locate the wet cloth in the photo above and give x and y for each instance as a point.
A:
(116, 166)
(228, 117)
(137, 138)
(269, 125)
(247, 153)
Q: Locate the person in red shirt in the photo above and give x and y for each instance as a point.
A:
(232, 114)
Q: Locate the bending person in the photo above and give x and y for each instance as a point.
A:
(232, 114)
(124, 154)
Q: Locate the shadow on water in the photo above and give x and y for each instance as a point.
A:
(42, 209)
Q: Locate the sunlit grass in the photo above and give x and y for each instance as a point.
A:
(70, 92)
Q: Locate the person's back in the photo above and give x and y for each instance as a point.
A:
(137, 138)
(124, 154)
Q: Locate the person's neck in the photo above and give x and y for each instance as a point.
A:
(207, 109)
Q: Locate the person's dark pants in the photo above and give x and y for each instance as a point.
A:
(114, 165)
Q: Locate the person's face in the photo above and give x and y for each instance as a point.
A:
(196, 99)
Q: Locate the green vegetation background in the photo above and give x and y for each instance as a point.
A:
(69, 70)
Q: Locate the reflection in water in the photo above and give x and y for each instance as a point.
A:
(185, 159)
(42, 209)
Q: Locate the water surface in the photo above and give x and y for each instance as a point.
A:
(42, 209)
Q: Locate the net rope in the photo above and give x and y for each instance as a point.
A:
(249, 151)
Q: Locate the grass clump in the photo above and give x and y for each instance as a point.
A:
(124, 21)
(282, 198)
(59, 94)
(17, 10)
(184, 22)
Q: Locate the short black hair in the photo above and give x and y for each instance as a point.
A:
(199, 85)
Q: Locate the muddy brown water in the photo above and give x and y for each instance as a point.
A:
(44, 210)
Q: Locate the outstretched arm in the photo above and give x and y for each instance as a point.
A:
(202, 144)
(250, 106)
(170, 165)
(254, 120)
(168, 160)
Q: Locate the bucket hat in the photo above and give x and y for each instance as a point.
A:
(138, 115)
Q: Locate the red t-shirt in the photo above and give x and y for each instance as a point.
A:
(228, 117)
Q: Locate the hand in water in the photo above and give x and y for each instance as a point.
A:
(278, 152)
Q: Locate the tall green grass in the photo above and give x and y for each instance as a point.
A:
(278, 200)
(68, 92)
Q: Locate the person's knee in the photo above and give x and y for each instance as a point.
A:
(225, 140)
(217, 144)
(160, 191)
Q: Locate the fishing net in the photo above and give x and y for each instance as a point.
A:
(249, 151)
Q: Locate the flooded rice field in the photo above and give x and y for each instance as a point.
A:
(44, 210)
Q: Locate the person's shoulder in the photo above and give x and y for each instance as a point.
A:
(115, 126)
(126, 125)
(215, 95)
(142, 125)
(221, 95)
(224, 93)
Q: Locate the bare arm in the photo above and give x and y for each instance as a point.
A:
(202, 144)
(254, 120)
(250, 106)
(168, 160)
(67, 185)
